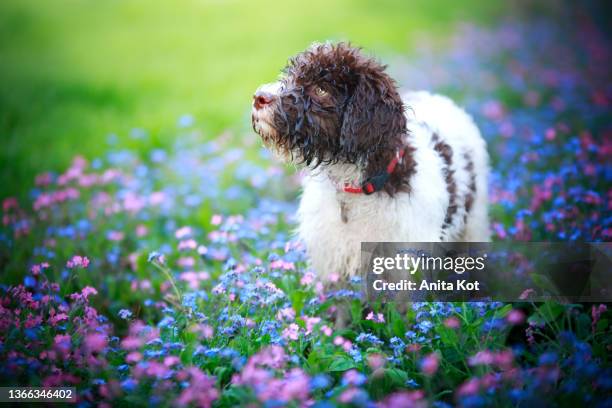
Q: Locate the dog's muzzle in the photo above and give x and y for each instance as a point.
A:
(264, 102)
(265, 96)
(261, 99)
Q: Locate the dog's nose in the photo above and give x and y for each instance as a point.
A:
(262, 98)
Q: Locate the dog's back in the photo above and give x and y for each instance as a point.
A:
(447, 200)
(465, 163)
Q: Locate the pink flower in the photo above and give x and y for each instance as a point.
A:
(412, 399)
(504, 359)
(55, 319)
(516, 317)
(452, 323)
(38, 268)
(499, 230)
(596, 313)
(307, 279)
(170, 361)
(429, 364)
(493, 110)
(187, 244)
(378, 318)
(115, 236)
(183, 232)
(293, 387)
(78, 261)
(95, 343)
(284, 265)
(526, 293)
(84, 294)
(271, 356)
(326, 330)
(141, 230)
(186, 262)
(204, 330)
(216, 219)
(60, 379)
(8, 203)
(529, 334)
(157, 198)
(376, 361)
(310, 323)
(157, 370)
(133, 357)
(484, 357)
(293, 245)
(469, 387)
(194, 278)
(32, 321)
(349, 395)
(291, 332)
(133, 203)
(286, 314)
(88, 290)
(257, 373)
(201, 391)
(344, 343)
(62, 344)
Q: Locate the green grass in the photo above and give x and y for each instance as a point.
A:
(73, 71)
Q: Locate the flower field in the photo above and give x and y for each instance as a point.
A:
(173, 278)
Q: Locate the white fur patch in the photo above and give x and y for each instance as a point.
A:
(334, 243)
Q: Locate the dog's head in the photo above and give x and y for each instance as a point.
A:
(332, 105)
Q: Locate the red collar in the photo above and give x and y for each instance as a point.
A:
(378, 181)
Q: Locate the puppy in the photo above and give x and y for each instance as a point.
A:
(379, 167)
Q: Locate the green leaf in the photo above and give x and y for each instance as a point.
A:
(602, 325)
(503, 311)
(223, 374)
(448, 336)
(536, 320)
(356, 310)
(341, 363)
(583, 325)
(544, 282)
(546, 313)
(187, 354)
(451, 355)
(297, 300)
(551, 311)
(396, 323)
(396, 376)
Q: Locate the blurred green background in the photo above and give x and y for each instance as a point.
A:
(73, 71)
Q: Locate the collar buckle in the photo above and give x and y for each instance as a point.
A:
(374, 183)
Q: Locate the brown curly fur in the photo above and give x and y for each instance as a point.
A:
(358, 120)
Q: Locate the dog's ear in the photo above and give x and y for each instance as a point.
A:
(373, 123)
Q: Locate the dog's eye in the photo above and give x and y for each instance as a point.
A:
(320, 92)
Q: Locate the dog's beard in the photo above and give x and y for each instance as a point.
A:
(270, 138)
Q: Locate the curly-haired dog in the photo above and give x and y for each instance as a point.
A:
(379, 167)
